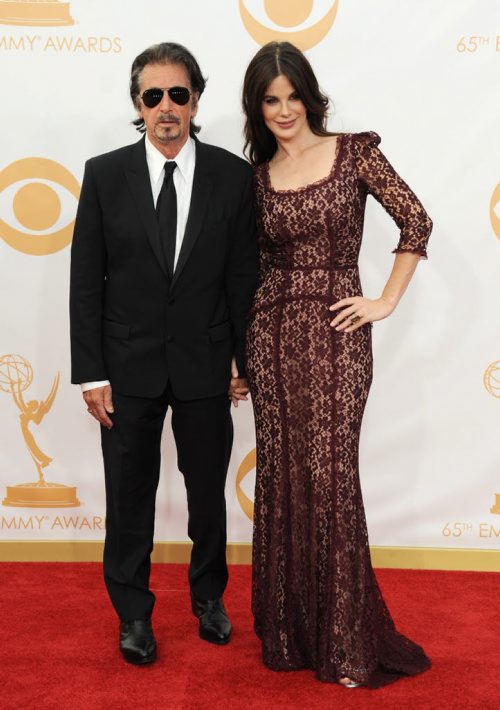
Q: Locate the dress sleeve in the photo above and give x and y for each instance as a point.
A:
(263, 243)
(388, 188)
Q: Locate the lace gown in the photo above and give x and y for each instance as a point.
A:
(315, 600)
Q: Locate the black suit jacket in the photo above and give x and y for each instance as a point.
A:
(131, 324)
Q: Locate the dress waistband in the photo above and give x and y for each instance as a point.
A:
(283, 265)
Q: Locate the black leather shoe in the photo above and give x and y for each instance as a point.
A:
(137, 641)
(215, 627)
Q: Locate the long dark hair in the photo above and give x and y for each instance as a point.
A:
(166, 53)
(275, 59)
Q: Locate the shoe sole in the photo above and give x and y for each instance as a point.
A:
(213, 639)
(140, 661)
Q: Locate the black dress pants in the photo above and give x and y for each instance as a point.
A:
(203, 433)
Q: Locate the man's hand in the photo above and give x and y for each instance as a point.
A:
(99, 404)
(238, 387)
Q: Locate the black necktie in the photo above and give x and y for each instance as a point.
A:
(166, 211)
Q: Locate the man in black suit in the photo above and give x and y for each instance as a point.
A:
(163, 271)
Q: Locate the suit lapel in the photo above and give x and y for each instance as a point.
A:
(200, 195)
(137, 174)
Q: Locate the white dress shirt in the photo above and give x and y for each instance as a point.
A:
(183, 181)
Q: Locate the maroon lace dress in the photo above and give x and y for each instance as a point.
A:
(315, 600)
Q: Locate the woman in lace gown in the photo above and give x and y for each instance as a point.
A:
(315, 598)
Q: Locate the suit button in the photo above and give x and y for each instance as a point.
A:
(170, 338)
(171, 302)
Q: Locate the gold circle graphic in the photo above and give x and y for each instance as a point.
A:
(491, 379)
(247, 465)
(37, 206)
(495, 220)
(285, 13)
(41, 168)
(288, 13)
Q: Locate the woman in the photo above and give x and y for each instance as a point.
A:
(316, 601)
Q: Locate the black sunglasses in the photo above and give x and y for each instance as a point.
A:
(178, 94)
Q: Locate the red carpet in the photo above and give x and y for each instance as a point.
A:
(58, 646)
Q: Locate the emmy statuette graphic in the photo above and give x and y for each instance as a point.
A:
(43, 13)
(16, 375)
(491, 381)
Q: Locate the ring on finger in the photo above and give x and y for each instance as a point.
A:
(355, 318)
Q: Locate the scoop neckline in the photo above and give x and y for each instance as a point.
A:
(316, 183)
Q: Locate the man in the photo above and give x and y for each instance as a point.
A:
(163, 271)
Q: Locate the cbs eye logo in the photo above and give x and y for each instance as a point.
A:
(302, 22)
(247, 468)
(35, 217)
(495, 210)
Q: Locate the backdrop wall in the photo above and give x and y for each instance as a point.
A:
(425, 76)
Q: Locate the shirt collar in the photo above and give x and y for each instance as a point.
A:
(185, 160)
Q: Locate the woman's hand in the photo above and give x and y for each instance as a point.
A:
(357, 311)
